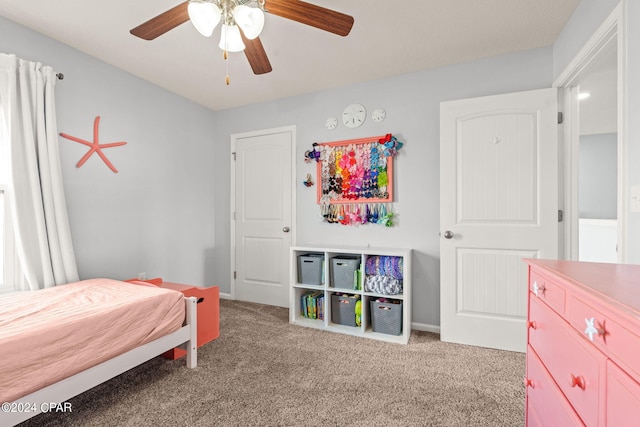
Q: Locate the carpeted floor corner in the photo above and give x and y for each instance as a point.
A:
(265, 371)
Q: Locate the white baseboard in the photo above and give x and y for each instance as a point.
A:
(425, 328)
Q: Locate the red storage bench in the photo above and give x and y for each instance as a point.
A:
(208, 311)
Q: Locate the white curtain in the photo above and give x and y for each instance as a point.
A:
(39, 212)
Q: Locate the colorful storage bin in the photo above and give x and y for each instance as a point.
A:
(383, 275)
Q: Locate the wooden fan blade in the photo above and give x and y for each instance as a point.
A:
(256, 55)
(162, 23)
(310, 14)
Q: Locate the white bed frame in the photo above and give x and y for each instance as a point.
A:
(58, 393)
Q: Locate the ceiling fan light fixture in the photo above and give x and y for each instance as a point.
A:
(204, 15)
(250, 19)
(207, 15)
(230, 39)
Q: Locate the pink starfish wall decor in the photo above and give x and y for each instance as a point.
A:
(96, 147)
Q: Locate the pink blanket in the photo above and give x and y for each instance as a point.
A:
(51, 334)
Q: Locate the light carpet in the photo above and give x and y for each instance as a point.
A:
(264, 371)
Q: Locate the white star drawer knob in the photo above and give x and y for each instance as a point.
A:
(594, 328)
(538, 289)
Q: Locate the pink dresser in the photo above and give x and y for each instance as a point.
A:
(583, 353)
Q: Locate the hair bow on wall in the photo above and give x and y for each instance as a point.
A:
(391, 145)
(314, 154)
(357, 213)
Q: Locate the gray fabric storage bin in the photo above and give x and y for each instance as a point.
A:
(386, 318)
(310, 268)
(342, 271)
(343, 309)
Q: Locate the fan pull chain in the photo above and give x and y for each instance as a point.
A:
(226, 57)
(226, 62)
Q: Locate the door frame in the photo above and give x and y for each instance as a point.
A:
(232, 204)
(614, 26)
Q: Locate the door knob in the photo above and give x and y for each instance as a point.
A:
(448, 234)
(285, 229)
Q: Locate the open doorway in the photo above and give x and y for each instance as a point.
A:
(593, 88)
(598, 159)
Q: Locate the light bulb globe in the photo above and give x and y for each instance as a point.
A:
(250, 19)
(204, 16)
(230, 39)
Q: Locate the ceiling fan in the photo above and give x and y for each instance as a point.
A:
(242, 22)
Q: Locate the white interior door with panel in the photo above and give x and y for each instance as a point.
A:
(498, 204)
(262, 215)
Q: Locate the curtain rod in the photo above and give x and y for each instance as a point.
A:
(60, 76)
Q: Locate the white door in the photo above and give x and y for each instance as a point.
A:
(263, 196)
(498, 204)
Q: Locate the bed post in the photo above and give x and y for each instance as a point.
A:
(192, 321)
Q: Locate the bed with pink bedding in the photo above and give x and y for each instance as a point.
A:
(50, 336)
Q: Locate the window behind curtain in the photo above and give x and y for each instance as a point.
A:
(2, 233)
(6, 236)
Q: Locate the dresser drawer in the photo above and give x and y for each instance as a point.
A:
(574, 363)
(615, 340)
(548, 291)
(594, 335)
(623, 398)
(546, 405)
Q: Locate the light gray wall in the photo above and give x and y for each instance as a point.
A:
(598, 180)
(167, 213)
(156, 214)
(412, 103)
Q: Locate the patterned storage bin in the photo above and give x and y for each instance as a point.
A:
(386, 318)
(384, 285)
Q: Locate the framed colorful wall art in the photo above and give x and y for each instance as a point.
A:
(356, 170)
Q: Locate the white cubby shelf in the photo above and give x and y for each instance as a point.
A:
(324, 287)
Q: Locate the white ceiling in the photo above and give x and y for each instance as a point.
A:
(388, 38)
